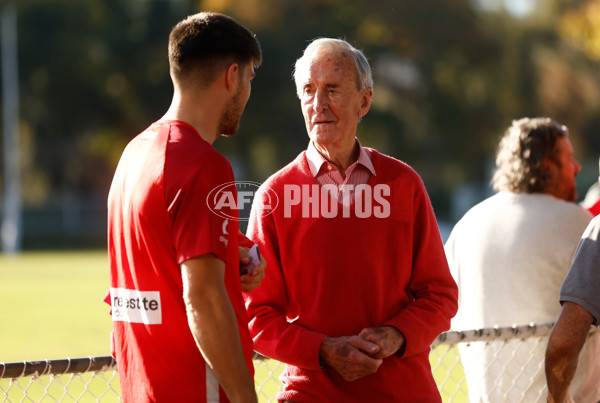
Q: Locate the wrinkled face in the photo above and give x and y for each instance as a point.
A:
(331, 102)
(563, 184)
(232, 114)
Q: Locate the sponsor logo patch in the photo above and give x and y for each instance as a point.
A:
(135, 306)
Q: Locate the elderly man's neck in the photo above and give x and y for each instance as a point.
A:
(342, 156)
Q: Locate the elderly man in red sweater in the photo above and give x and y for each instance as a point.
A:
(358, 286)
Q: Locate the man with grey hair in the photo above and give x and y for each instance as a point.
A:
(358, 286)
(509, 255)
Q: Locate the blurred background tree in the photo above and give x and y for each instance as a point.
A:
(450, 76)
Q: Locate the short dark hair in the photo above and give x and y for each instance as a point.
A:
(525, 144)
(210, 41)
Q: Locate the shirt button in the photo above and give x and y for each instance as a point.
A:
(329, 167)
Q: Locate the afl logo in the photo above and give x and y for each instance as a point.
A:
(237, 197)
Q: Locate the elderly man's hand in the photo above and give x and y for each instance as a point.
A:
(351, 356)
(253, 279)
(388, 338)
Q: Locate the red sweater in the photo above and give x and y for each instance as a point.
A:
(335, 276)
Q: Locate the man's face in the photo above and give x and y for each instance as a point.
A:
(230, 119)
(562, 184)
(331, 102)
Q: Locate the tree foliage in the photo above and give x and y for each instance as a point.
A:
(449, 77)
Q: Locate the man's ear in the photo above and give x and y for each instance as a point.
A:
(549, 167)
(547, 163)
(367, 97)
(231, 76)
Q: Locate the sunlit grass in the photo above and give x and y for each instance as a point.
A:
(51, 305)
(51, 308)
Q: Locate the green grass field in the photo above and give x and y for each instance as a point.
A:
(51, 305)
(51, 308)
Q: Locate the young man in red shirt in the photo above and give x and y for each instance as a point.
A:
(180, 329)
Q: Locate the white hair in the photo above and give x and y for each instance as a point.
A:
(364, 78)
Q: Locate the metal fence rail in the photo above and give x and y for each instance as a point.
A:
(55, 367)
(494, 333)
(90, 379)
(95, 379)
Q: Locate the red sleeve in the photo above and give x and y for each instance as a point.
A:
(434, 291)
(197, 229)
(267, 305)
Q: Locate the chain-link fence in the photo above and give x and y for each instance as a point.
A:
(503, 356)
(91, 379)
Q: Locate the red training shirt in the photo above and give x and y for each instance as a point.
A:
(158, 217)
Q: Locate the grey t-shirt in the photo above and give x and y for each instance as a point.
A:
(582, 284)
